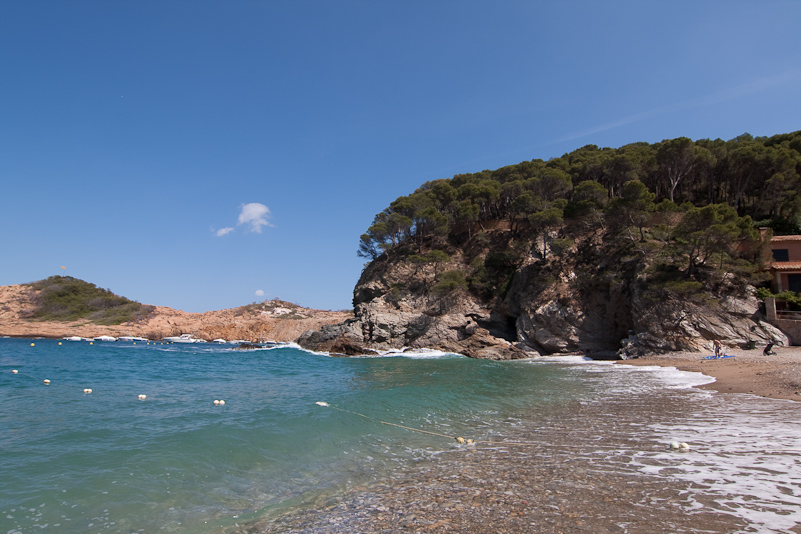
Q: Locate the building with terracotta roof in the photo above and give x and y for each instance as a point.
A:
(786, 264)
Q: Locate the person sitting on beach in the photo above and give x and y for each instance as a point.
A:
(768, 349)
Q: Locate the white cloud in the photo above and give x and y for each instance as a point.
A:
(255, 215)
(223, 231)
(259, 293)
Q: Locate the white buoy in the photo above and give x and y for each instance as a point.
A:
(222, 402)
(87, 390)
(684, 446)
(14, 371)
(321, 403)
(46, 382)
(675, 445)
(142, 397)
(216, 402)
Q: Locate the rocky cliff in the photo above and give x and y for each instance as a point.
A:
(593, 297)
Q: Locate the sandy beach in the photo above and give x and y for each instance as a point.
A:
(775, 376)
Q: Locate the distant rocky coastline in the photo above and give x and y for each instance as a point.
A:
(268, 321)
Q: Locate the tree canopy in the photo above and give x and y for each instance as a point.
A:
(703, 196)
(757, 177)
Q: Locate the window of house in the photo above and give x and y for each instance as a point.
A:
(781, 254)
(794, 281)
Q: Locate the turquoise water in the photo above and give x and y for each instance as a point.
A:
(109, 462)
(106, 461)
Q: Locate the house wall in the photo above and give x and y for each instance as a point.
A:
(781, 281)
(790, 327)
(793, 248)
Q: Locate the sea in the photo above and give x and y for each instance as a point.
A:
(131, 437)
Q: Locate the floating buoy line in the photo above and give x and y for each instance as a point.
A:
(674, 446)
(87, 391)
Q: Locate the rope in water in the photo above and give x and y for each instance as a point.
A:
(677, 447)
(325, 404)
(459, 439)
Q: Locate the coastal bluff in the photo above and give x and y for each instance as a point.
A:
(590, 303)
(268, 321)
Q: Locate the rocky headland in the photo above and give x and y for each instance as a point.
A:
(614, 253)
(592, 299)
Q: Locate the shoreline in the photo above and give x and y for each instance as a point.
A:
(775, 376)
(608, 475)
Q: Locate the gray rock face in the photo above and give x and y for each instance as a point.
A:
(396, 308)
(732, 321)
(412, 318)
(343, 338)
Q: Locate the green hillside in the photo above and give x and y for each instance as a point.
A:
(64, 298)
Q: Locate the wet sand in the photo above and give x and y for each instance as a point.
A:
(775, 376)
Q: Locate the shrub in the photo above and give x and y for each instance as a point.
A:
(792, 298)
(449, 282)
(561, 245)
(64, 298)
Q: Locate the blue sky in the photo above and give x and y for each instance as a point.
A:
(206, 155)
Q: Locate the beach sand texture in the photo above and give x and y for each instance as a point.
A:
(775, 376)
